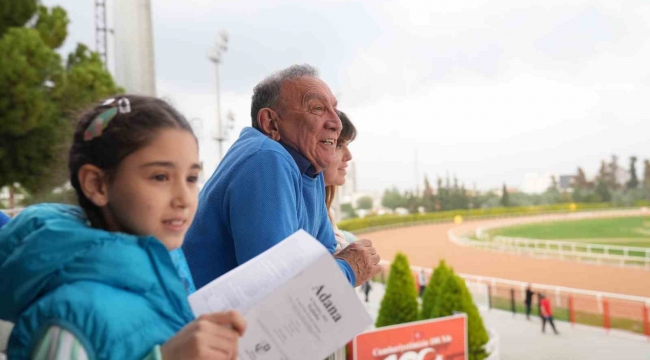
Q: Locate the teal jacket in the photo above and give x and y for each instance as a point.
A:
(120, 295)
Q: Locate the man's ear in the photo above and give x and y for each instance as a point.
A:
(93, 184)
(268, 120)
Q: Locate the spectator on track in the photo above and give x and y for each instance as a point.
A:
(528, 301)
(366, 287)
(546, 313)
(422, 282)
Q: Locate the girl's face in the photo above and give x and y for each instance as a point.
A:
(335, 173)
(154, 190)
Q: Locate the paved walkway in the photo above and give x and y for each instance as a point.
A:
(522, 339)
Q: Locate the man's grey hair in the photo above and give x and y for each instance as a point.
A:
(267, 93)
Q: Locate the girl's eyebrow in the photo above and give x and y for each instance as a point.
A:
(168, 164)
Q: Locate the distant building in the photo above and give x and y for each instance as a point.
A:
(535, 183)
(346, 194)
(565, 182)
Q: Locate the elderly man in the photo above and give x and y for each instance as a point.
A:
(269, 184)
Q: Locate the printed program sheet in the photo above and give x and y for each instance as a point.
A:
(297, 302)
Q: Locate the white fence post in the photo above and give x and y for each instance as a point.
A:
(599, 299)
(565, 250)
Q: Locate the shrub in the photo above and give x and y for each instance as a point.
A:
(400, 304)
(453, 296)
(439, 275)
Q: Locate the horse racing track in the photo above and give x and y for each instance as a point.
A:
(587, 293)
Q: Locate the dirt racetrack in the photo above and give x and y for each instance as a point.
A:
(427, 244)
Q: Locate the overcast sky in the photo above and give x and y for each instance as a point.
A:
(486, 90)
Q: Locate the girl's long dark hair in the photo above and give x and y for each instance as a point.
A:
(125, 134)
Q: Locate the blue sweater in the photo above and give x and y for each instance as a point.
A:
(256, 198)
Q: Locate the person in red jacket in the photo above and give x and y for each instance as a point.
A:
(547, 313)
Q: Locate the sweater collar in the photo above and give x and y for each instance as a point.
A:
(304, 165)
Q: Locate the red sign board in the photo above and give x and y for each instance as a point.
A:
(436, 339)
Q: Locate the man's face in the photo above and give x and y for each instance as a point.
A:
(308, 120)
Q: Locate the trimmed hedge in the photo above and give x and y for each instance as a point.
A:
(438, 277)
(452, 296)
(400, 304)
(448, 216)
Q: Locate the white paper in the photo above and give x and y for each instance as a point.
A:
(297, 302)
(247, 284)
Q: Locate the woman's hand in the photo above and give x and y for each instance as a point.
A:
(210, 337)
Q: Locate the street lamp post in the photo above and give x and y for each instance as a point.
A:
(220, 47)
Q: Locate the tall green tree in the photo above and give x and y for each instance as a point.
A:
(87, 80)
(611, 173)
(441, 195)
(580, 180)
(16, 13)
(444, 195)
(349, 211)
(448, 202)
(455, 195)
(646, 174)
(428, 196)
(400, 304)
(393, 199)
(505, 197)
(463, 198)
(31, 81)
(38, 93)
(412, 203)
(364, 203)
(52, 25)
(633, 183)
(428, 190)
(602, 187)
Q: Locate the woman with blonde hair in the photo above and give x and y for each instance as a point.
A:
(335, 176)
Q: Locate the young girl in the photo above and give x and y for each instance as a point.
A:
(97, 281)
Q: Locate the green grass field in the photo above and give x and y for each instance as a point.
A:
(624, 231)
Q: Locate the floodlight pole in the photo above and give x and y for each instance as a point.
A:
(221, 46)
